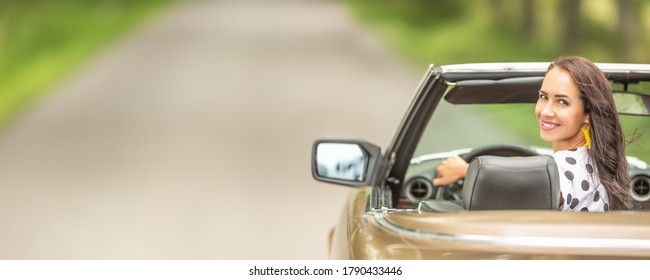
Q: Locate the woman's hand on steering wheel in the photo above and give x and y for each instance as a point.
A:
(450, 170)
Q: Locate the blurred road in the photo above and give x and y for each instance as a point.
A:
(191, 138)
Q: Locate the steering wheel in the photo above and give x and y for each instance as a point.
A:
(499, 150)
(503, 150)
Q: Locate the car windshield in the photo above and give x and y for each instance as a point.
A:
(455, 127)
(461, 126)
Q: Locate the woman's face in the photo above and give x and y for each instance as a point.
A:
(560, 111)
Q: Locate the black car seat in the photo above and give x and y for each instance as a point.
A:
(512, 183)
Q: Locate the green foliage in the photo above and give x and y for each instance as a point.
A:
(42, 40)
(465, 32)
(416, 13)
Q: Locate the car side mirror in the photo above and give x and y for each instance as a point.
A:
(632, 103)
(344, 162)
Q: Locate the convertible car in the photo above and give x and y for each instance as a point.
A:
(506, 207)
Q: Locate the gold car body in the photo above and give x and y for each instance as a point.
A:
(523, 234)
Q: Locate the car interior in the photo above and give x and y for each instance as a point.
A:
(494, 180)
(495, 183)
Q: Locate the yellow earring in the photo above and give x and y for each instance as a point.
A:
(587, 134)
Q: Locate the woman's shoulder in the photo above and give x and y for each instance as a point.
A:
(572, 157)
(574, 163)
(574, 151)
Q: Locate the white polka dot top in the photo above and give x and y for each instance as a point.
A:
(580, 187)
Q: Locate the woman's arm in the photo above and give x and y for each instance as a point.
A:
(450, 170)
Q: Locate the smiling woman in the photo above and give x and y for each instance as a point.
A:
(560, 111)
(575, 100)
(593, 129)
(42, 41)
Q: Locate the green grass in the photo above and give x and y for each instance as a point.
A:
(43, 41)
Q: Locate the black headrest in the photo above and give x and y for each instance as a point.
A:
(500, 183)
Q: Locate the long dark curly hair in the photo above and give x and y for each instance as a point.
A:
(607, 140)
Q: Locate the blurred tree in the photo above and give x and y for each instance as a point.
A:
(528, 24)
(497, 12)
(418, 13)
(571, 28)
(627, 30)
(605, 30)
